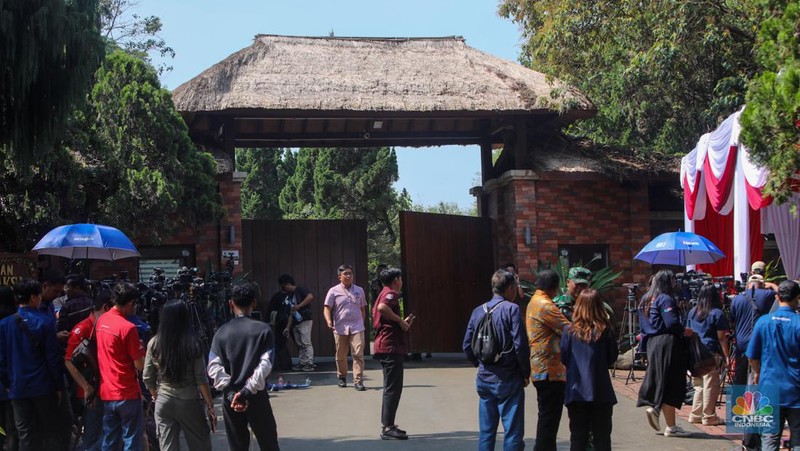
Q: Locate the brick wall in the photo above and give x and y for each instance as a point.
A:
(560, 208)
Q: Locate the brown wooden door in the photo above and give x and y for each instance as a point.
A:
(448, 264)
(311, 252)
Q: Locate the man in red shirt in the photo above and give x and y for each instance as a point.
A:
(120, 355)
(86, 390)
(391, 348)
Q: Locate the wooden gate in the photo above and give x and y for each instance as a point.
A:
(448, 264)
(310, 251)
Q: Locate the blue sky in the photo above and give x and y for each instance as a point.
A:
(203, 32)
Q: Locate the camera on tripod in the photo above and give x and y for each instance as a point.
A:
(184, 279)
(688, 284)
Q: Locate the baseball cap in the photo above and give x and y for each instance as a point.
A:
(756, 278)
(579, 274)
(758, 267)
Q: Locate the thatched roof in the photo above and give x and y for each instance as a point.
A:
(560, 153)
(375, 75)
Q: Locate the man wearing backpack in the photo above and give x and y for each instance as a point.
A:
(91, 407)
(746, 308)
(503, 369)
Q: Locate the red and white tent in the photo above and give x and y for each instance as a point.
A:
(723, 201)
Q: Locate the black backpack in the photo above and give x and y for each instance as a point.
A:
(486, 344)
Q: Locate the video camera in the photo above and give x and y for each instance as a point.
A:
(689, 283)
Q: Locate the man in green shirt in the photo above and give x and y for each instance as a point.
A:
(577, 280)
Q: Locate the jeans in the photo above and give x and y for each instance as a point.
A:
(260, 418)
(40, 424)
(772, 442)
(504, 401)
(550, 397)
(392, 365)
(92, 438)
(123, 425)
(302, 337)
(587, 418)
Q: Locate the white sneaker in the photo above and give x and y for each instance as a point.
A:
(652, 418)
(676, 431)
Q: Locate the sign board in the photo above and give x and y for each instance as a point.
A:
(15, 267)
(231, 254)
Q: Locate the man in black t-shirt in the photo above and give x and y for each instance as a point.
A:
(238, 365)
(294, 302)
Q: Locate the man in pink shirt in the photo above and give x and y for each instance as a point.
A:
(345, 310)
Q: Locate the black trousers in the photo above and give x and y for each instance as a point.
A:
(550, 398)
(40, 423)
(589, 419)
(392, 365)
(260, 419)
(9, 441)
(749, 440)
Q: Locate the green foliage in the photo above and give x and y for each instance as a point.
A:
(350, 183)
(136, 34)
(150, 176)
(267, 172)
(771, 120)
(660, 73)
(49, 50)
(446, 208)
(602, 279)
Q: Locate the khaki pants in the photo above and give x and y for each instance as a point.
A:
(302, 337)
(706, 392)
(355, 343)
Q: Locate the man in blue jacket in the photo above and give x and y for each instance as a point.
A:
(32, 368)
(501, 385)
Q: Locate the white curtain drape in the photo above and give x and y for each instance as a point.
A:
(779, 220)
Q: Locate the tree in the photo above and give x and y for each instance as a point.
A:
(446, 208)
(771, 120)
(660, 73)
(350, 183)
(267, 172)
(138, 35)
(148, 174)
(49, 50)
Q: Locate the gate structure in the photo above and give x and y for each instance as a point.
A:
(311, 251)
(448, 263)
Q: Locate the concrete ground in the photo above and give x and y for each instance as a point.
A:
(439, 409)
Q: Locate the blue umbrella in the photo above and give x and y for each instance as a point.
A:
(680, 249)
(86, 241)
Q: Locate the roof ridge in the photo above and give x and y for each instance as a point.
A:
(368, 38)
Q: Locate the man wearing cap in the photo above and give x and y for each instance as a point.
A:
(577, 281)
(760, 269)
(746, 308)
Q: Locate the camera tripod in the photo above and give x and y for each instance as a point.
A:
(629, 331)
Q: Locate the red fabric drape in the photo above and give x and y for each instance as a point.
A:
(718, 229)
(689, 196)
(755, 198)
(756, 240)
(718, 190)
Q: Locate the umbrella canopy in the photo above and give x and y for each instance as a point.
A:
(86, 241)
(680, 249)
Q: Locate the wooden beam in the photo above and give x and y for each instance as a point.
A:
(520, 143)
(487, 169)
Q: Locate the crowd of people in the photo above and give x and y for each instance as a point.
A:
(69, 350)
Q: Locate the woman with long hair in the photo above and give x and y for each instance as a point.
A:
(664, 388)
(709, 322)
(588, 348)
(174, 372)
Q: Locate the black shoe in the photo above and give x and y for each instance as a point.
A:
(359, 386)
(392, 433)
(342, 382)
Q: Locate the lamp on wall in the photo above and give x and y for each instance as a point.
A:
(526, 233)
(231, 234)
